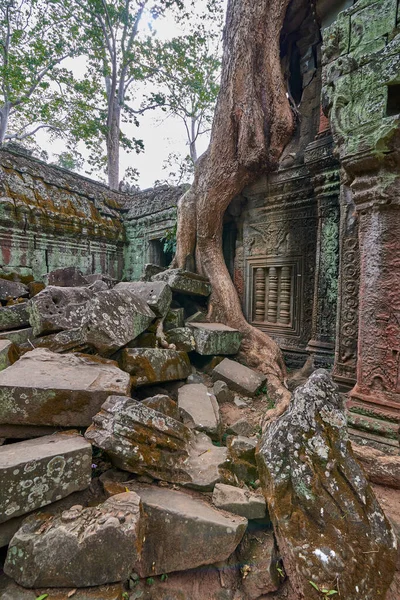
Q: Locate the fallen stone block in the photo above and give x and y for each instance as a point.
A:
(45, 388)
(260, 562)
(154, 365)
(19, 337)
(239, 501)
(65, 277)
(206, 465)
(182, 338)
(89, 546)
(14, 317)
(215, 338)
(182, 532)
(184, 282)
(199, 409)
(27, 432)
(12, 289)
(35, 287)
(141, 440)
(242, 447)
(58, 308)
(222, 392)
(114, 318)
(163, 404)
(175, 318)
(9, 590)
(37, 472)
(149, 270)
(327, 521)
(8, 354)
(383, 469)
(70, 340)
(242, 427)
(238, 377)
(95, 277)
(157, 294)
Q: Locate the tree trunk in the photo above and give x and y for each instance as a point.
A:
(4, 114)
(112, 143)
(252, 124)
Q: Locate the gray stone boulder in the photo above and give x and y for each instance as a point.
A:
(148, 366)
(82, 547)
(214, 339)
(70, 340)
(14, 317)
(157, 294)
(222, 392)
(36, 472)
(184, 282)
(239, 501)
(182, 338)
(19, 337)
(114, 318)
(9, 290)
(45, 388)
(65, 277)
(239, 378)
(163, 404)
(58, 308)
(99, 277)
(8, 354)
(174, 319)
(183, 532)
(328, 523)
(199, 409)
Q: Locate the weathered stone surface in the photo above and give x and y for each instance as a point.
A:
(238, 377)
(239, 501)
(141, 440)
(35, 287)
(183, 532)
(154, 365)
(66, 277)
(9, 590)
(95, 277)
(182, 338)
(156, 294)
(114, 318)
(44, 388)
(184, 282)
(37, 472)
(328, 523)
(206, 463)
(57, 308)
(242, 427)
(242, 447)
(12, 289)
(70, 340)
(8, 354)
(14, 317)
(27, 432)
(199, 409)
(174, 319)
(259, 560)
(163, 404)
(380, 468)
(19, 337)
(81, 547)
(215, 338)
(222, 392)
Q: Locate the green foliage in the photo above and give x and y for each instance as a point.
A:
(125, 596)
(42, 597)
(164, 577)
(325, 592)
(150, 581)
(169, 240)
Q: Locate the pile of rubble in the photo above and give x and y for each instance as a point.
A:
(128, 467)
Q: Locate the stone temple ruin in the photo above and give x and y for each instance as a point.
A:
(98, 339)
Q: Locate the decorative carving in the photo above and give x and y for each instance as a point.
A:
(272, 294)
(285, 297)
(260, 294)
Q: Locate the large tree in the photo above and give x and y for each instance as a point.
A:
(252, 124)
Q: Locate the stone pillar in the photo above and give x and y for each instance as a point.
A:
(326, 181)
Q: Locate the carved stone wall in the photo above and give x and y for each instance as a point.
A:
(51, 218)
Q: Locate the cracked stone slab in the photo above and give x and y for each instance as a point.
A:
(239, 377)
(37, 472)
(45, 388)
(157, 294)
(239, 501)
(215, 338)
(199, 409)
(185, 282)
(154, 365)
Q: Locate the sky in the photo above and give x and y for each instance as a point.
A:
(161, 135)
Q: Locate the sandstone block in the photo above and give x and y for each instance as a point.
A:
(12, 289)
(182, 338)
(89, 546)
(215, 338)
(141, 440)
(239, 501)
(222, 392)
(242, 447)
(239, 377)
(328, 523)
(257, 552)
(14, 317)
(95, 277)
(35, 287)
(114, 318)
(206, 464)
(183, 532)
(154, 365)
(199, 409)
(70, 340)
(19, 337)
(65, 277)
(242, 427)
(37, 472)
(157, 294)
(9, 590)
(175, 318)
(44, 388)
(163, 404)
(58, 308)
(8, 354)
(184, 282)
